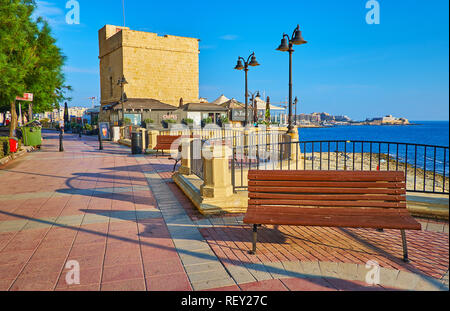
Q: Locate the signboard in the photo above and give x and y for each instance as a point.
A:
(105, 131)
(239, 115)
(28, 97)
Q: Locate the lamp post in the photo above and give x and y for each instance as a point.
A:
(287, 46)
(295, 104)
(251, 61)
(122, 81)
(254, 105)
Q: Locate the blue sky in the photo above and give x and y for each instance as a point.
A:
(398, 67)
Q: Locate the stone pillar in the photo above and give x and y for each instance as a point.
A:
(185, 168)
(144, 147)
(152, 138)
(217, 175)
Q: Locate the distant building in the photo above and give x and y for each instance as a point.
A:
(342, 119)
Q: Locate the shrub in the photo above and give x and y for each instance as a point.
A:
(188, 121)
(127, 121)
(88, 127)
(148, 121)
(208, 120)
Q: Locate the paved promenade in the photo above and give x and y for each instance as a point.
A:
(129, 227)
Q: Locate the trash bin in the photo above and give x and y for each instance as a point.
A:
(136, 143)
(32, 135)
(13, 145)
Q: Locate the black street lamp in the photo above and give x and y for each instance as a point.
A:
(255, 105)
(122, 81)
(295, 104)
(286, 46)
(251, 61)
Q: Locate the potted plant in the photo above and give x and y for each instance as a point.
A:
(207, 120)
(148, 123)
(223, 120)
(167, 122)
(189, 122)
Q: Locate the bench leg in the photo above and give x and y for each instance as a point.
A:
(175, 166)
(405, 247)
(255, 239)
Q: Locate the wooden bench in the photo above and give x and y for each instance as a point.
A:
(166, 142)
(347, 199)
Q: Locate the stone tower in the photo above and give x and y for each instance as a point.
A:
(165, 68)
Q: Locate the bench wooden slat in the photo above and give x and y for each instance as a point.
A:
(346, 221)
(325, 190)
(302, 211)
(329, 203)
(327, 197)
(326, 176)
(343, 184)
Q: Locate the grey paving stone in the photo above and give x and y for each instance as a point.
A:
(434, 227)
(328, 269)
(240, 274)
(229, 220)
(203, 223)
(204, 285)
(198, 257)
(293, 269)
(216, 221)
(148, 214)
(276, 269)
(190, 245)
(426, 283)
(388, 277)
(186, 235)
(258, 271)
(312, 268)
(347, 271)
(406, 280)
(210, 275)
(204, 267)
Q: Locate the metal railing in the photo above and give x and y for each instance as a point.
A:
(426, 166)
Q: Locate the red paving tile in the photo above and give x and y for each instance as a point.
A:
(125, 285)
(88, 276)
(122, 272)
(10, 271)
(14, 257)
(267, 285)
(52, 268)
(171, 282)
(307, 284)
(163, 267)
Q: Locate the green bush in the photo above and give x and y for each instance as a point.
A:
(88, 127)
(4, 147)
(188, 121)
(208, 120)
(127, 121)
(148, 121)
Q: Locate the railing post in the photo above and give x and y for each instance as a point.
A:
(186, 154)
(216, 172)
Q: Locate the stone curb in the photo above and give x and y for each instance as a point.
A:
(16, 155)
